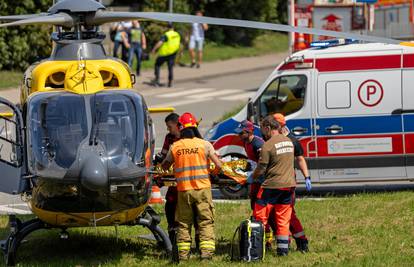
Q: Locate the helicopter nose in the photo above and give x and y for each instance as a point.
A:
(93, 174)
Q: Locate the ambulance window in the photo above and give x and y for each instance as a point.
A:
(338, 94)
(284, 95)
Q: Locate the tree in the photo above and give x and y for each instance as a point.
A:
(264, 10)
(21, 46)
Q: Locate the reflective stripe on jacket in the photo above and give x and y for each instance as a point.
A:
(191, 168)
(172, 45)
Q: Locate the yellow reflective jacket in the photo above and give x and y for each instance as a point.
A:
(172, 44)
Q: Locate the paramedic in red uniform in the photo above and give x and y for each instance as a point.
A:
(296, 227)
(275, 194)
(252, 145)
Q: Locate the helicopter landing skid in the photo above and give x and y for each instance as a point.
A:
(151, 220)
(18, 231)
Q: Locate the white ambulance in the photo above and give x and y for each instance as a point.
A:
(351, 106)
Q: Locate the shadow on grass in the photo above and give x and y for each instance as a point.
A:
(223, 246)
(84, 248)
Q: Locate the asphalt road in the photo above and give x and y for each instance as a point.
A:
(207, 99)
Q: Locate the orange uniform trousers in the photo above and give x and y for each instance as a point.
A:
(279, 202)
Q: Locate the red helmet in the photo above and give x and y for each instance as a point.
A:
(187, 120)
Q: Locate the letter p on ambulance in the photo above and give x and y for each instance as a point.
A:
(371, 90)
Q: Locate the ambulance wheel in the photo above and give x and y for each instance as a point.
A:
(234, 191)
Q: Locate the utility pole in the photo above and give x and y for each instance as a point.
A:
(291, 22)
(170, 6)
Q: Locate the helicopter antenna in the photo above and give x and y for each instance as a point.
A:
(82, 66)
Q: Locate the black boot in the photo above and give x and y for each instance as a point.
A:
(302, 245)
(155, 82)
(282, 251)
(169, 83)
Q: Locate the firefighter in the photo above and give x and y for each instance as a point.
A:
(167, 49)
(252, 146)
(190, 156)
(296, 227)
(275, 194)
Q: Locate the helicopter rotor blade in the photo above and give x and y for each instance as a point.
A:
(61, 19)
(102, 17)
(20, 17)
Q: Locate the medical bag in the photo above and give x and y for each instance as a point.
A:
(248, 242)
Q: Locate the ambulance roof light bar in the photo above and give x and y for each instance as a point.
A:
(332, 42)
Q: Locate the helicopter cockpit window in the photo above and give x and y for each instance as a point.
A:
(114, 120)
(57, 127)
(284, 95)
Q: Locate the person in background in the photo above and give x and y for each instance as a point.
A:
(197, 41)
(167, 49)
(121, 40)
(138, 43)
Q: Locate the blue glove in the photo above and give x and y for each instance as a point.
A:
(308, 183)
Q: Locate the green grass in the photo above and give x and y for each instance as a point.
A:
(10, 79)
(230, 113)
(357, 230)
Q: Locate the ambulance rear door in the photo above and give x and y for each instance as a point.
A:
(358, 126)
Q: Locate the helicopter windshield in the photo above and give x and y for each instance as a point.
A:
(57, 126)
(114, 124)
(62, 126)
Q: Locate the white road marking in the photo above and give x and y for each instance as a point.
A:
(7, 209)
(181, 103)
(215, 93)
(185, 92)
(159, 91)
(243, 96)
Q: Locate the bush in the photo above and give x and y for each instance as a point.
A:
(21, 46)
(263, 10)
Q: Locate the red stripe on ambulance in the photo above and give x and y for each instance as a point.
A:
(228, 140)
(356, 63)
(409, 143)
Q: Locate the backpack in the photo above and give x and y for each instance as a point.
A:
(250, 243)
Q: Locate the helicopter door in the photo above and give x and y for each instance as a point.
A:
(12, 163)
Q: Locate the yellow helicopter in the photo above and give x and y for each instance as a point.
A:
(80, 145)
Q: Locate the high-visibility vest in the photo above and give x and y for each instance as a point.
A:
(172, 45)
(191, 168)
